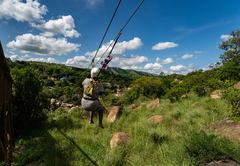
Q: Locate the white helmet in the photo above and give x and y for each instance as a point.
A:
(95, 72)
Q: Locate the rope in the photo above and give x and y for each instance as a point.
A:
(105, 34)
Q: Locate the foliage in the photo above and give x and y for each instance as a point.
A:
(233, 99)
(28, 101)
(230, 70)
(231, 47)
(49, 82)
(203, 148)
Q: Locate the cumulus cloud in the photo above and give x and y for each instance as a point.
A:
(130, 61)
(187, 56)
(64, 25)
(190, 66)
(153, 66)
(48, 60)
(198, 52)
(42, 45)
(120, 48)
(178, 68)
(162, 46)
(225, 37)
(166, 61)
(29, 11)
(78, 61)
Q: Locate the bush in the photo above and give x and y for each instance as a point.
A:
(49, 82)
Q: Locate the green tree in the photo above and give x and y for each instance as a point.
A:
(28, 101)
(231, 48)
(229, 70)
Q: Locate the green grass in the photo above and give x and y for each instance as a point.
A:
(72, 141)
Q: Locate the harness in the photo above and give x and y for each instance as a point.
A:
(89, 90)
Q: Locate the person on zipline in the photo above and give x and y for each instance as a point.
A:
(92, 89)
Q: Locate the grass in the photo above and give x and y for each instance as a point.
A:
(72, 141)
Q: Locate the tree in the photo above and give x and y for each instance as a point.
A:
(231, 47)
(28, 101)
(228, 70)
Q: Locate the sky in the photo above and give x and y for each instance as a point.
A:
(163, 36)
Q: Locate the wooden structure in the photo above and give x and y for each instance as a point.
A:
(6, 125)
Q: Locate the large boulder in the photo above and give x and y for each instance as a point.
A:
(153, 105)
(216, 94)
(119, 138)
(156, 118)
(156, 100)
(226, 128)
(18, 150)
(221, 163)
(238, 86)
(115, 114)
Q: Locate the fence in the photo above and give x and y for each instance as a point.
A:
(6, 125)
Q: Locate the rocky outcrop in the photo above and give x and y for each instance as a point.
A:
(119, 138)
(18, 150)
(226, 128)
(156, 118)
(216, 94)
(238, 86)
(153, 105)
(221, 163)
(184, 96)
(115, 114)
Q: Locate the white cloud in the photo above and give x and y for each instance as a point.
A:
(42, 46)
(178, 68)
(29, 11)
(162, 46)
(120, 48)
(198, 52)
(64, 25)
(130, 61)
(166, 61)
(225, 37)
(48, 60)
(78, 61)
(153, 66)
(187, 56)
(14, 57)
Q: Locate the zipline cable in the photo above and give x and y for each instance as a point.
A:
(105, 33)
(117, 37)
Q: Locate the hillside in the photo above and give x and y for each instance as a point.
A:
(117, 70)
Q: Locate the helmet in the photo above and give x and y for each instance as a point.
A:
(95, 72)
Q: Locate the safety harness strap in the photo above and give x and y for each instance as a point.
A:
(91, 88)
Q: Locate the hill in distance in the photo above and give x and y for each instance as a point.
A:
(117, 70)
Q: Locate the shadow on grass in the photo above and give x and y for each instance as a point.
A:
(73, 142)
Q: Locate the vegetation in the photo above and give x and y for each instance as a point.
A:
(178, 140)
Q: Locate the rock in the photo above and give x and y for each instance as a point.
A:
(135, 106)
(115, 114)
(153, 105)
(53, 100)
(180, 82)
(175, 79)
(184, 96)
(86, 114)
(156, 100)
(156, 118)
(238, 86)
(226, 128)
(216, 94)
(119, 138)
(55, 119)
(67, 108)
(221, 163)
(18, 150)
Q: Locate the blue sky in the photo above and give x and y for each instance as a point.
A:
(163, 36)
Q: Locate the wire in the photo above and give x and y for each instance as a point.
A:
(105, 33)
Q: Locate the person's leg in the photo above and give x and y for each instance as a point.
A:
(100, 119)
(91, 116)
